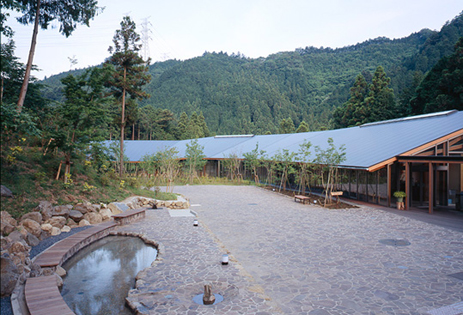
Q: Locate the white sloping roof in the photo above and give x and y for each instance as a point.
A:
(366, 145)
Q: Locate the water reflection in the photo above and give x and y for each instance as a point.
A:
(100, 275)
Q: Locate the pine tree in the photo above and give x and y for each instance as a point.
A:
(380, 103)
(130, 70)
(303, 127)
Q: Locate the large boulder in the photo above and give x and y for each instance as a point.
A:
(9, 275)
(45, 208)
(5, 192)
(83, 223)
(46, 227)
(36, 216)
(93, 217)
(76, 215)
(6, 217)
(32, 227)
(18, 247)
(84, 208)
(55, 231)
(62, 211)
(106, 214)
(6, 228)
(58, 222)
(32, 240)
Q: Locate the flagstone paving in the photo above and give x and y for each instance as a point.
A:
(290, 258)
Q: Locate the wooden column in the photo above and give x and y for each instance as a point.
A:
(389, 185)
(407, 185)
(431, 187)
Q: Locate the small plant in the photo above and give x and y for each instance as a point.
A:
(68, 182)
(87, 163)
(400, 194)
(88, 187)
(122, 184)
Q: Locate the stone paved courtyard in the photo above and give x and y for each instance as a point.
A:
(289, 258)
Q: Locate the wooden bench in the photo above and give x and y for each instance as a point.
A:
(61, 251)
(302, 198)
(43, 297)
(129, 216)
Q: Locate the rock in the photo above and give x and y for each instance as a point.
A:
(6, 217)
(36, 270)
(84, 223)
(18, 247)
(46, 227)
(84, 208)
(58, 221)
(106, 214)
(96, 207)
(55, 231)
(32, 240)
(93, 217)
(66, 229)
(9, 275)
(16, 236)
(32, 227)
(60, 271)
(36, 216)
(5, 192)
(62, 211)
(45, 208)
(76, 215)
(5, 242)
(59, 281)
(117, 207)
(71, 223)
(6, 228)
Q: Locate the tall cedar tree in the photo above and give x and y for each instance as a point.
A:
(41, 13)
(442, 88)
(131, 71)
(368, 103)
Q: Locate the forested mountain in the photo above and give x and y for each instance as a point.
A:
(240, 95)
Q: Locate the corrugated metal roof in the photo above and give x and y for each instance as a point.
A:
(366, 145)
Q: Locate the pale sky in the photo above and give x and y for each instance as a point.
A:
(185, 29)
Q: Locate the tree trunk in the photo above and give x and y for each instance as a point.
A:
(27, 74)
(133, 131)
(121, 166)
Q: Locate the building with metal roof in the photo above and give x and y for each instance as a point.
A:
(382, 157)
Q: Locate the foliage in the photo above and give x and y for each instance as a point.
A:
(169, 166)
(42, 13)
(442, 88)
(284, 166)
(368, 103)
(254, 160)
(81, 117)
(231, 163)
(328, 159)
(305, 164)
(400, 194)
(287, 126)
(194, 159)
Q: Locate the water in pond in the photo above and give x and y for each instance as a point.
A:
(100, 276)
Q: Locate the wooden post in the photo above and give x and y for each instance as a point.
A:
(389, 184)
(431, 187)
(59, 170)
(407, 185)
